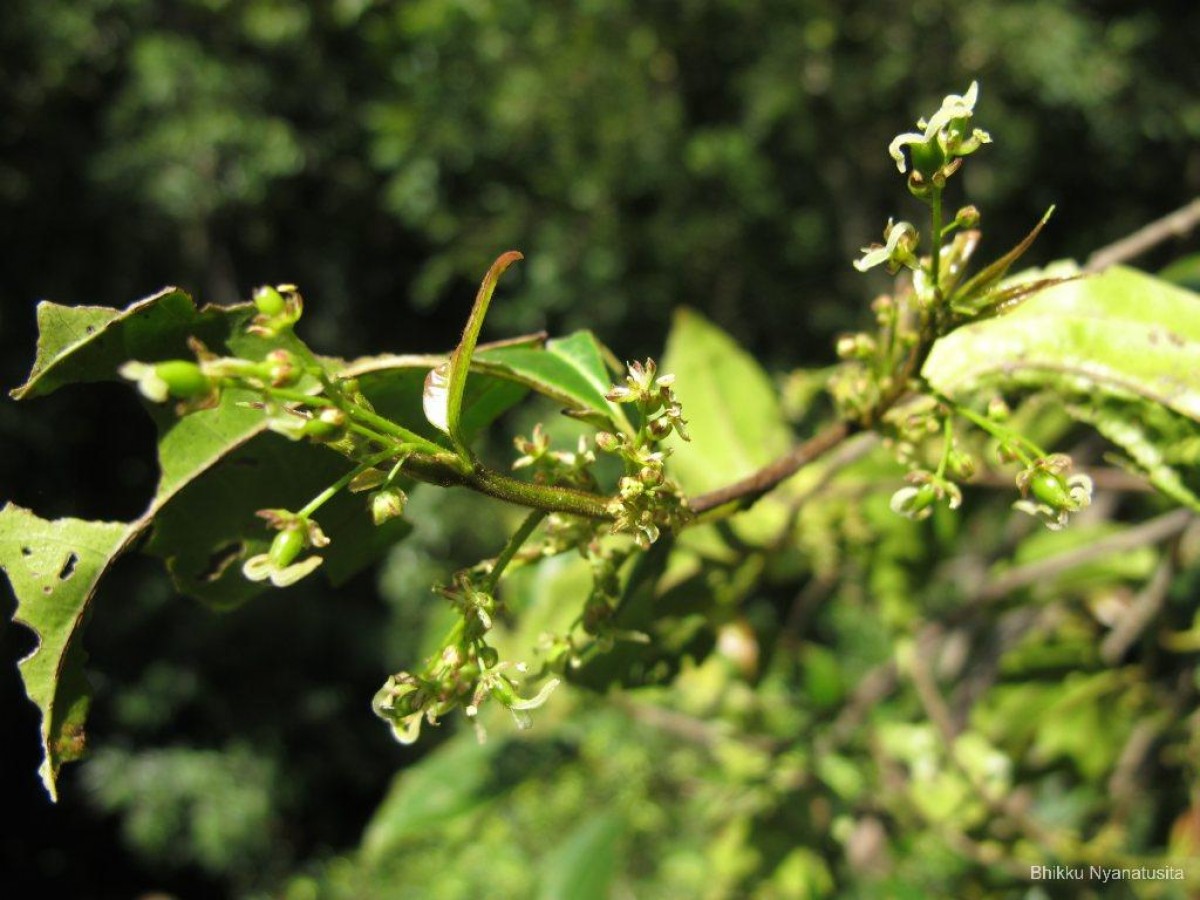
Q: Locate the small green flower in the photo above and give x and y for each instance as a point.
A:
(901, 240)
(644, 385)
(400, 703)
(279, 308)
(916, 501)
(503, 690)
(279, 564)
(1050, 493)
(944, 137)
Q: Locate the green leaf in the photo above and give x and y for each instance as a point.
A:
(733, 412)
(394, 384)
(734, 418)
(971, 296)
(208, 528)
(445, 384)
(569, 370)
(78, 344)
(584, 863)
(1184, 272)
(1122, 332)
(54, 568)
(453, 780)
(1155, 439)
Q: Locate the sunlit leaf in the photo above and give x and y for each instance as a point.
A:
(735, 420)
(54, 568)
(1122, 332)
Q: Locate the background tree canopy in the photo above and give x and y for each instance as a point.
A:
(726, 156)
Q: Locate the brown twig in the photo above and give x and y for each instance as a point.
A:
(1144, 609)
(1176, 224)
(1159, 529)
(746, 490)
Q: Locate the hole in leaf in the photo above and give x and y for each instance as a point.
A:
(91, 329)
(46, 589)
(220, 560)
(25, 551)
(68, 567)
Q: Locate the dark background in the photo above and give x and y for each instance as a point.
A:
(724, 155)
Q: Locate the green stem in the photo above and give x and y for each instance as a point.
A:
(336, 398)
(316, 502)
(935, 259)
(390, 428)
(443, 469)
(510, 549)
(947, 446)
(1006, 435)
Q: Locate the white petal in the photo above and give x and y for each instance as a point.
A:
(258, 568)
(538, 699)
(293, 573)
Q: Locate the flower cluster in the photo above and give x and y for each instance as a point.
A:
(406, 700)
(936, 151)
(647, 501)
(555, 466)
(465, 674)
(653, 393)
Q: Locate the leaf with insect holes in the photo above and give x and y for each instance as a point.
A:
(54, 568)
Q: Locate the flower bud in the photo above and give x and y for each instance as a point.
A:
(488, 657)
(387, 504)
(968, 217)
(915, 503)
(282, 369)
(329, 426)
(183, 379)
(659, 428)
(651, 476)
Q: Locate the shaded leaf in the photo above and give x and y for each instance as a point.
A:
(1155, 441)
(453, 780)
(584, 863)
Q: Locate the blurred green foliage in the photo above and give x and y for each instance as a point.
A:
(719, 154)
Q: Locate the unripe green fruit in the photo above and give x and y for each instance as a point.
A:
(1049, 489)
(286, 547)
(927, 157)
(269, 301)
(183, 379)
